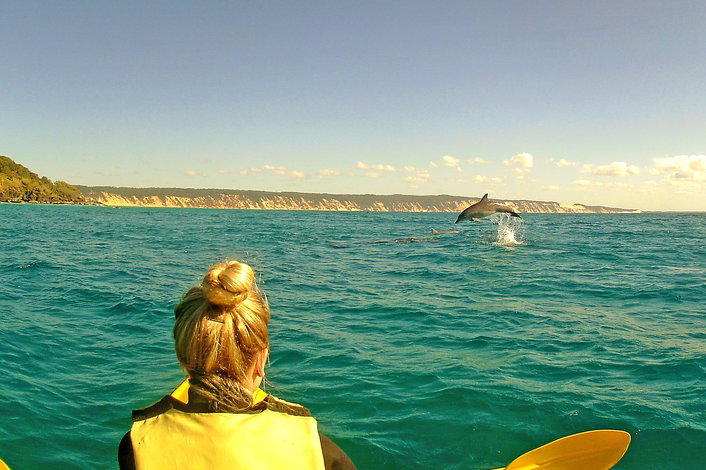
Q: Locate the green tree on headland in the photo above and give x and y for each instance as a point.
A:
(18, 184)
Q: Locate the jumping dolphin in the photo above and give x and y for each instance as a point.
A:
(483, 208)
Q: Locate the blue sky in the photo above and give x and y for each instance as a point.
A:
(590, 102)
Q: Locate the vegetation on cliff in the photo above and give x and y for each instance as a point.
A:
(18, 184)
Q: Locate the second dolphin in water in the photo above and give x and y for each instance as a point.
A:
(483, 208)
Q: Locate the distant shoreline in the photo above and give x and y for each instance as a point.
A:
(20, 185)
(97, 204)
(268, 200)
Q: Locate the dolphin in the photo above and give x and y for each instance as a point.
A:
(483, 208)
(436, 232)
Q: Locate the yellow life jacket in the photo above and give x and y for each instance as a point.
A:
(267, 439)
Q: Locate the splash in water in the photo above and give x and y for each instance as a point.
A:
(510, 229)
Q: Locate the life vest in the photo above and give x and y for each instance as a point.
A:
(165, 437)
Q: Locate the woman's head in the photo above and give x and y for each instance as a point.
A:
(221, 325)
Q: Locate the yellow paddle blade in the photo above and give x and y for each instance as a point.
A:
(3, 465)
(590, 450)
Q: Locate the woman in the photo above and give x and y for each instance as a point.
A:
(220, 418)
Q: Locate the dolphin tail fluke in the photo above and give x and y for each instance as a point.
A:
(507, 210)
(433, 230)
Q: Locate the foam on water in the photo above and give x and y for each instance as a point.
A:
(510, 229)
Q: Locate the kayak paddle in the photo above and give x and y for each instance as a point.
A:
(590, 450)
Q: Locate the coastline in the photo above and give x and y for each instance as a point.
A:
(264, 200)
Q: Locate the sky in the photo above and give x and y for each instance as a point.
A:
(600, 103)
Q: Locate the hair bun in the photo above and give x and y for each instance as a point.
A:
(228, 284)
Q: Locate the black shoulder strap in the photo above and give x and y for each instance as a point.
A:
(156, 409)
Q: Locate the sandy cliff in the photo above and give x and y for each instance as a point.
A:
(234, 199)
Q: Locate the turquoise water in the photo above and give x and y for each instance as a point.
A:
(458, 351)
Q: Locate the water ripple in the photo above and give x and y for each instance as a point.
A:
(413, 350)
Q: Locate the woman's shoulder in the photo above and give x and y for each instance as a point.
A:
(155, 409)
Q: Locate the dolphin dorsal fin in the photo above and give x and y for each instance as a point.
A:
(484, 198)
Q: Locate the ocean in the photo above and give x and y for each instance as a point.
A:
(413, 350)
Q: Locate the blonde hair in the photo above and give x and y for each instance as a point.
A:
(220, 327)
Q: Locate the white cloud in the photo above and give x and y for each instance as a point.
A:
(524, 161)
(562, 163)
(419, 175)
(614, 169)
(194, 173)
(223, 172)
(550, 188)
(243, 172)
(323, 173)
(433, 165)
(450, 161)
(415, 179)
(378, 167)
(372, 174)
(478, 160)
(681, 167)
(278, 170)
(486, 179)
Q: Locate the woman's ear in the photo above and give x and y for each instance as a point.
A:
(261, 361)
